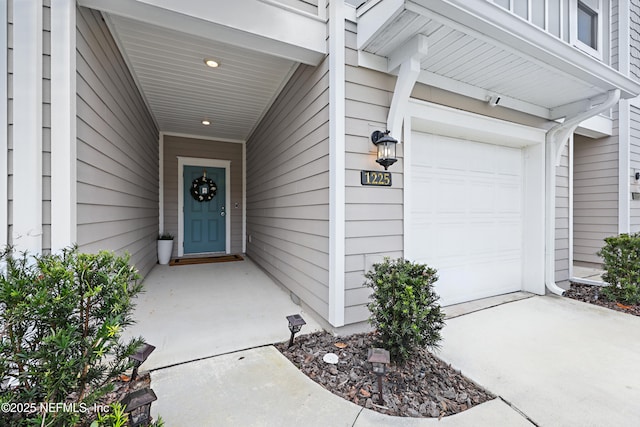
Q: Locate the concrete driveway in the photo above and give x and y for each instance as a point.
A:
(558, 361)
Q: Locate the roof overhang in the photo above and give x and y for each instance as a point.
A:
(267, 27)
(483, 51)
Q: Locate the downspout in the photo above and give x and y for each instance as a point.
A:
(555, 142)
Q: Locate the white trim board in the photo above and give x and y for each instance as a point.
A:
(431, 118)
(27, 126)
(337, 158)
(64, 223)
(212, 163)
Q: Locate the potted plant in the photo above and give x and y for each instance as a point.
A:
(165, 247)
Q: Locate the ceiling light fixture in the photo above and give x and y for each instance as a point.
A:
(206, 122)
(211, 63)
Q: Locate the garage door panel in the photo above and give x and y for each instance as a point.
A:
(466, 218)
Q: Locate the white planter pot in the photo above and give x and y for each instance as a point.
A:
(165, 247)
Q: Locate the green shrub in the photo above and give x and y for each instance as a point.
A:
(404, 310)
(116, 417)
(61, 322)
(621, 258)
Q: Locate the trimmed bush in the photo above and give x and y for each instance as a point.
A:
(621, 258)
(404, 310)
(61, 322)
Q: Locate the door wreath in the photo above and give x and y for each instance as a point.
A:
(203, 189)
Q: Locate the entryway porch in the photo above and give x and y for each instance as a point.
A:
(192, 312)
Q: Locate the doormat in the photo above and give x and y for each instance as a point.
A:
(205, 260)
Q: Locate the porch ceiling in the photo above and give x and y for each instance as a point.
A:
(480, 50)
(258, 44)
(181, 90)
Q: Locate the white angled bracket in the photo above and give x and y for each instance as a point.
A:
(556, 140)
(407, 59)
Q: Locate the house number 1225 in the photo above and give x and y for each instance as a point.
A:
(378, 178)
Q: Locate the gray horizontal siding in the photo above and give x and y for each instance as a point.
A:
(9, 170)
(175, 146)
(595, 201)
(562, 220)
(634, 47)
(374, 215)
(288, 188)
(117, 151)
(46, 126)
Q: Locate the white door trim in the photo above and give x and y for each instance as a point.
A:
(211, 163)
(437, 119)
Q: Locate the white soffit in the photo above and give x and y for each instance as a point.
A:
(182, 91)
(258, 43)
(473, 51)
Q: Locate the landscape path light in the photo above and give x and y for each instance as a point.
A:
(295, 324)
(141, 354)
(138, 405)
(379, 359)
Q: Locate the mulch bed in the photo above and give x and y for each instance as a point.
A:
(592, 295)
(424, 387)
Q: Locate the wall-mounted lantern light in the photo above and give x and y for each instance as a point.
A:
(295, 324)
(386, 148)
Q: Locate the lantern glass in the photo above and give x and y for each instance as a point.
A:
(379, 368)
(386, 150)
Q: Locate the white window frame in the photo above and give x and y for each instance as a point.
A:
(596, 6)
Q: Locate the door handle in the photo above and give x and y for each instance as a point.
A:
(222, 213)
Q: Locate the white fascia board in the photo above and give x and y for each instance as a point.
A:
(494, 24)
(63, 125)
(4, 126)
(27, 126)
(374, 17)
(260, 25)
(454, 123)
(596, 127)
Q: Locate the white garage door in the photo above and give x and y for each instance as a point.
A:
(466, 215)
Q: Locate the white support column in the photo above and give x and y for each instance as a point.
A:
(27, 126)
(4, 117)
(624, 167)
(63, 125)
(337, 123)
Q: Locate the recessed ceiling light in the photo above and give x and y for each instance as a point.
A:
(211, 63)
(206, 122)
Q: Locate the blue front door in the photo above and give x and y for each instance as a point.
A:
(204, 221)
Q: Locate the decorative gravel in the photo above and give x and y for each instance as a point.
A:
(592, 294)
(424, 387)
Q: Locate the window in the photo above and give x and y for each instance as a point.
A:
(587, 26)
(586, 23)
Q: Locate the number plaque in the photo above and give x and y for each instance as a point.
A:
(377, 178)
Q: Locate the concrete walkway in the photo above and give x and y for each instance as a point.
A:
(557, 362)
(191, 312)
